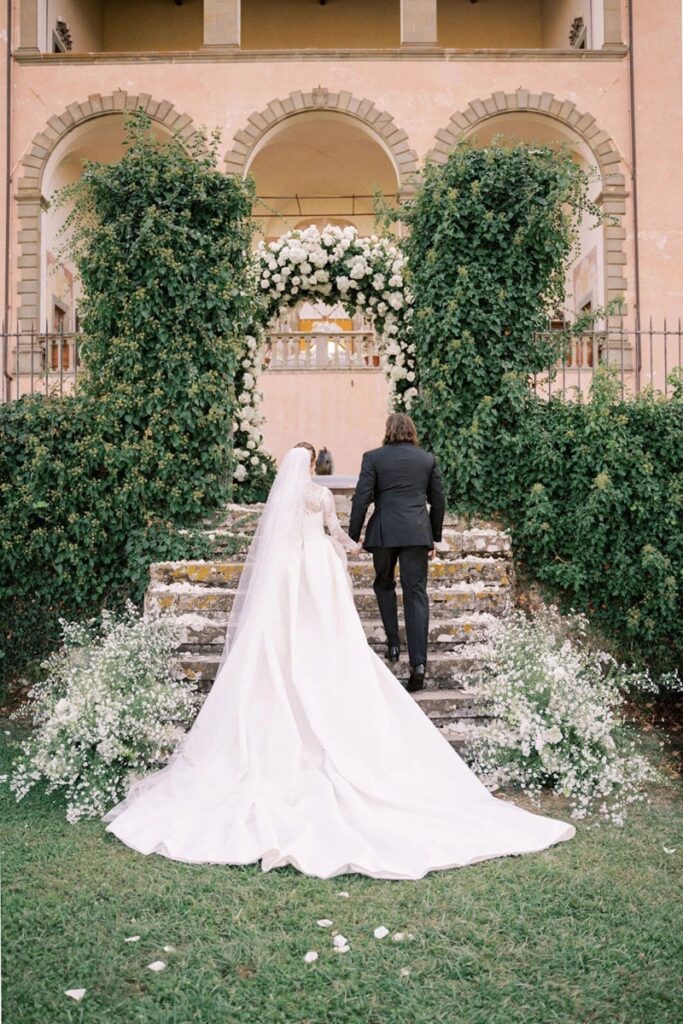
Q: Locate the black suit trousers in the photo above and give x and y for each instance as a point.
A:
(414, 564)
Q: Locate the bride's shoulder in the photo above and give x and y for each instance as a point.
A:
(319, 493)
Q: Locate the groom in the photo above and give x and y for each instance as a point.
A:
(401, 478)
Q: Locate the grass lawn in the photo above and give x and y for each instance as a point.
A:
(586, 932)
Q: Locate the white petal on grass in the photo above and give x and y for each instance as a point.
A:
(311, 957)
(342, 949)
(405, 972)
(325, 922)
(669, 849)
(157, 965)
(168, 949)
(398, 936)
(339, 940)
(75, 993)
(344, 895)
(132, 938)
(380, 932)
(410, 936)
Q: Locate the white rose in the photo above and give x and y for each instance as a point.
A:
(240, 473)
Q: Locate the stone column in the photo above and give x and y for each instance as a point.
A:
(418, 22)
(28, 27)
(613, 35)
(221, 23)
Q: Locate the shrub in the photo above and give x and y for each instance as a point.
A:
(110, 709)
(94, 487)
(556, 723)
(591, 491)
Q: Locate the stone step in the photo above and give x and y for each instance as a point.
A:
(475, 541)
(447, 671)
(444, 706)
(458, 734)
(200, 632)
(180, 598)
(469, 569)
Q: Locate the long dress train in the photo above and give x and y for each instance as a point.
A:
(309, 752)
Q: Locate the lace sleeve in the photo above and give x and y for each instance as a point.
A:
(332, 522)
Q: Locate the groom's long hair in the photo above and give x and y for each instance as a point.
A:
(400, 429)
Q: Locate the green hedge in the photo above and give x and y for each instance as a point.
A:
(592, 492)
(594, 495)
(93, 487)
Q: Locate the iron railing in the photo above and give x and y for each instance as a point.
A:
(48, 362)
(45, 363)
(640, 358)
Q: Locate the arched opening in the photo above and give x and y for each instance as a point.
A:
(101, 140)
(324, 381)
(320, 167)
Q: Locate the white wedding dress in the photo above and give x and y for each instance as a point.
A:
(307, 750)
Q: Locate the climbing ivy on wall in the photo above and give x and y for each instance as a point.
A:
(593, 492)
(94, 486)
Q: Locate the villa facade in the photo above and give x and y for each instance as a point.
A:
(325, 102)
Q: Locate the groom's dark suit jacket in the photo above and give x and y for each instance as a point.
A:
(401, 479)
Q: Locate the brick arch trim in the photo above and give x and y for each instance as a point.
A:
(613, 193)
(378, 121)
(31, 202)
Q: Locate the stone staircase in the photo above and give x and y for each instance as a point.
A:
(469, 585)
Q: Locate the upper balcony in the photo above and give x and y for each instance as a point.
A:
(281, 29)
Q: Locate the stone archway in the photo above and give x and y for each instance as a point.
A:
(30, 201)
(613, 194)
(378, 122)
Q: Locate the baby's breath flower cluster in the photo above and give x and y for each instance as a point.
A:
(364, 274)
(556, 717)
(111, 707)
(253, 467)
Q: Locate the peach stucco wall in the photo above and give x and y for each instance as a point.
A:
(225, 93)
(340, 410)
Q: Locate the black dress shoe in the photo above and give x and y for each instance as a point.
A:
(393, 652)
(417, 678)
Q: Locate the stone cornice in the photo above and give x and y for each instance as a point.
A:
(233, 55)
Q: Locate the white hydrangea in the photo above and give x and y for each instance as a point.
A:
(365, 272)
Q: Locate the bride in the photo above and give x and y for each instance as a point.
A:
(307, 750)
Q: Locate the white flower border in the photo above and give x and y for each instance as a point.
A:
(364, 274)
(247, 435)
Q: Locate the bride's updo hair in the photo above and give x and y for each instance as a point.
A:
(308, 447)
(400, 428)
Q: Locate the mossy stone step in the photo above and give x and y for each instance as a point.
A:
(470, 569)
(179, 598)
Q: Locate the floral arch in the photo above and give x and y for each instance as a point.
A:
(365, 275)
